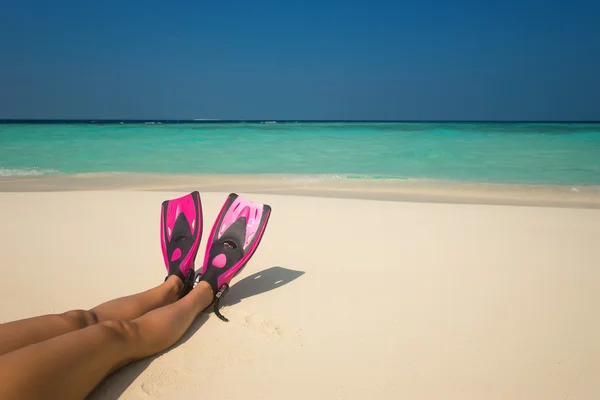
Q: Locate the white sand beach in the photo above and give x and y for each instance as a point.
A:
(344, 299)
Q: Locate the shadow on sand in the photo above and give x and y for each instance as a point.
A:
(271, 278)
(259, 283)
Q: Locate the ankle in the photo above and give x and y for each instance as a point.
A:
(175, 285)
(203, 294)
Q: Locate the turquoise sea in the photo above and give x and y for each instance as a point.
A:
(534, 153)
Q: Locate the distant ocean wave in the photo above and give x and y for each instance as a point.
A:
(27, 172)
(311, 178)
(336, 177)
(381, 177)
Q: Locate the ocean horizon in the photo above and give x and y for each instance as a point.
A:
(281, 121)
(550, 153)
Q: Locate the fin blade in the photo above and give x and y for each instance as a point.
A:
(186, 210)
(256, 215)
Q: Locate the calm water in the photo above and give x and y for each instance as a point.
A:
(480, 152)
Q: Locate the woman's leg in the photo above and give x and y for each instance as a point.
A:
(17, 334)
(71, 365)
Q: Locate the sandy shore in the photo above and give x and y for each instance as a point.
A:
(429, 191)
(345, 298)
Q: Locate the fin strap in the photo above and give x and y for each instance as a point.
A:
(220, 294)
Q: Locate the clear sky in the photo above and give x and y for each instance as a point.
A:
(417, 60)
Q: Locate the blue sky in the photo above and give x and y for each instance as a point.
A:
(421, 60)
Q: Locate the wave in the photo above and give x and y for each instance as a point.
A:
(326, 177)
(27, 172)
(380, 177)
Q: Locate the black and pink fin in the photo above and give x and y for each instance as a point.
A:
(234, 238)
(180, 235)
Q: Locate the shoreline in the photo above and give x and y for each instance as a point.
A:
(327, 186)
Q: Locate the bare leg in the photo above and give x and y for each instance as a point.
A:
(17, 334)
(71, 365)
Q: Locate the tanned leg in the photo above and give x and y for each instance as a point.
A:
(17, 334)
(70, 366)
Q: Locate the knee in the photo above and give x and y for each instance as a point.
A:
(81, 318)
(124, 330)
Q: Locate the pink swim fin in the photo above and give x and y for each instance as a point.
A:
(180, 235)
(233, 240)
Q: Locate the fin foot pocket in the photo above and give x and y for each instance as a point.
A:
(188, 283)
